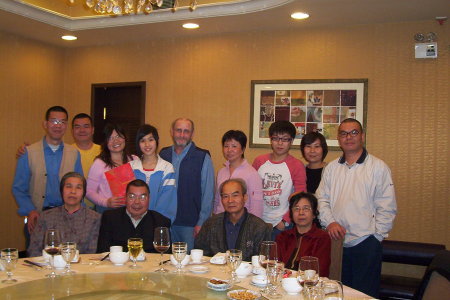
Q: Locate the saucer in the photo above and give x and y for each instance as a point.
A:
(198, 262)
(199, 269)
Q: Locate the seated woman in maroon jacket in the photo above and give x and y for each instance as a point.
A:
(305, 238)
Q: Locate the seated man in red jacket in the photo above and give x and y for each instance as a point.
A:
(306, 238)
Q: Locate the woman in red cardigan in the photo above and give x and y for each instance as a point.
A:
(305, 238)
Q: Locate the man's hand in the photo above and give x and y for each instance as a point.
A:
(115, 202)
(336, 231)
(22, 149)
(197, 230)
(32, 220)
(280, 226)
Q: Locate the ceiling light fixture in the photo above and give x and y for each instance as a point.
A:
(69, 37)
(299, 16)
(126, 7)
(190, 26)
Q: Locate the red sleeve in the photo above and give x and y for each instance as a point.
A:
(259, 161)
(298, 174)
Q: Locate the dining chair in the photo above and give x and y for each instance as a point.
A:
(336, 259)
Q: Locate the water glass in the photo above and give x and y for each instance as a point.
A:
(68, 251)
(8, 258)
(275, 271)
(179, 252)
(234, 259)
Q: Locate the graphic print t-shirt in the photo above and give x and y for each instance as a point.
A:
(280, 180)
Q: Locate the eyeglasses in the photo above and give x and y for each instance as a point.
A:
(304, 209)
(344, 134)
(283, 139)
(133, 197)
(115, 137)
(57, 122)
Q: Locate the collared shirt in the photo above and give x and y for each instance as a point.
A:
(133, 220)
(232, 230)
(207, 181)
(360, 197)
(21, 185)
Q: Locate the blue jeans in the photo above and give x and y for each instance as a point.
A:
(361, 266)
(183, 234)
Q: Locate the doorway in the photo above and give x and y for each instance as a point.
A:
(120, 103)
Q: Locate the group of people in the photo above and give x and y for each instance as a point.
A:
(276, 198)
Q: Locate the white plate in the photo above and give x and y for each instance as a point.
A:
(219, 287)
(230, 294)
(199, 269)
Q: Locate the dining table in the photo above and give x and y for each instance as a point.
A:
(101, 279)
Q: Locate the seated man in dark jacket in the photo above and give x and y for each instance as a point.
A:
(133, 220)
(235, 228)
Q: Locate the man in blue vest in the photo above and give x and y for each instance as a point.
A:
(194, 174)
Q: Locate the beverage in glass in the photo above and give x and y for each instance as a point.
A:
(234, 259)
(179, 251)
(8, 259)
(135, 246)
(161, 243)
(308, 271)
(52, 242)
(275, 272)
(267, 253)
(68, 251)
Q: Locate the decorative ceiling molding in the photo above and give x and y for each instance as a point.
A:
(82, 23)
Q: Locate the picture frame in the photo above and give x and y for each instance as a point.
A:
(310, 104)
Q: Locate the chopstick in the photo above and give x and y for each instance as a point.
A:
(33, 263)
(163, 262)
(106, 256)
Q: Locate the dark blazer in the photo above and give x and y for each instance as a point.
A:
(116, 228)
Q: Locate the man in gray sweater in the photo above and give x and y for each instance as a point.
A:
(235, 228)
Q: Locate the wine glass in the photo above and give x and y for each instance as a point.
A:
(8, 258)
(135, 246)
(161, 243)
(52, 241)
(68, 251)
(179, 251)
(234, 259)
(308, 271)
(267, 253)
(275, 272)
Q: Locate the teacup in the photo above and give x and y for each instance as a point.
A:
(291, 285)
(244, 269)
(196, 255)
(255, 261)
(115, 249)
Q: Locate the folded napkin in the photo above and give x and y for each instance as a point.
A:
(218, 259)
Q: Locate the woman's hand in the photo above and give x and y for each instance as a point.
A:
(115, 202)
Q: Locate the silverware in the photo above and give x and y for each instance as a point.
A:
(33, 263)
(106, 256)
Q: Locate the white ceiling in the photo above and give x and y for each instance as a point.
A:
(245, 15)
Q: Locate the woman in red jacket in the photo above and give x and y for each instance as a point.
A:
(305, 238)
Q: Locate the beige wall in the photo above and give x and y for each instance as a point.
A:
(208, 80)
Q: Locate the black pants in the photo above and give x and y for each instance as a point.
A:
(361, 266)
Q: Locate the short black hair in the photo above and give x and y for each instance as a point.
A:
(310, 138)
(70, 175)
(143, 131)
(55, 108)
(236, 135)
(296, 197)
(81, 116)
(351, 120)
(138, 183)
(282, 127)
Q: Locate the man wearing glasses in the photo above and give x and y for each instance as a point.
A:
(282, 174)
(132, 221)
(38, 171)
(357, 203)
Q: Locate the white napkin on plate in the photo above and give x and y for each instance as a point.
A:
(218, 259)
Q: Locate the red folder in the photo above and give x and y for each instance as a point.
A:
(118, 179)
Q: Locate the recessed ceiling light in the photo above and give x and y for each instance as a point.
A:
(299, 16)
(190, 26)
(69, 37)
